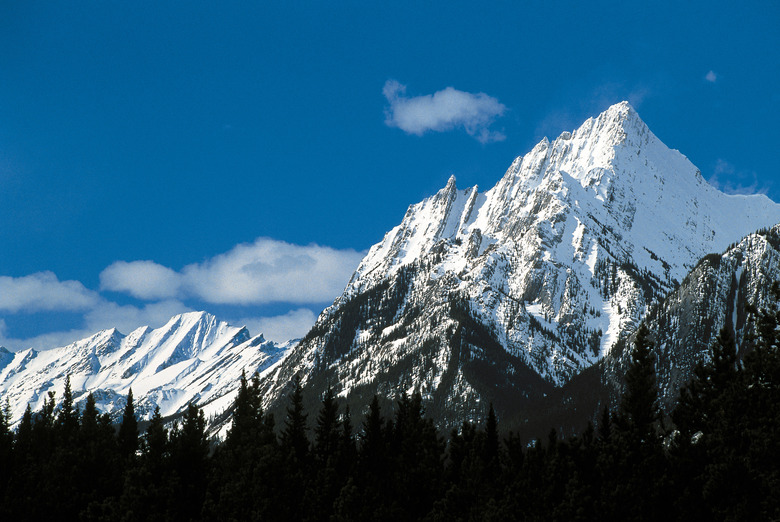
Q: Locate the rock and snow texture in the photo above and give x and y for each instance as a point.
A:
(565, 252)
(194, 357)
(717, 293)
(475, 297)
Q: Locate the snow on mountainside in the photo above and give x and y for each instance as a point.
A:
(476, 292)
(717, 293)
(194, 357)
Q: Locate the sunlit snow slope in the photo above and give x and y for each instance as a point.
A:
(194, 357)
(476, 293)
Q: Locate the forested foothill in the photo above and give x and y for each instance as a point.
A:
(717, 457)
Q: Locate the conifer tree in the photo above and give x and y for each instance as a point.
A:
(23, 435)
(98, 474)
(6, 448)
(417, 452)
(605, 426)
(189, 450)
(347, 453)
(639, 413)
(633, 490)
(491, 442)
(326, 432)
(127, 438)
(294, 445)
(363, 496)
(373, 437)
(154, 443)
(247, 414)
(63, 461)
(294, 439)
(26, 468)
(150, 487)
(327, 442)
(67, 418)
(247, 467)
(43, 437)
(347, 439)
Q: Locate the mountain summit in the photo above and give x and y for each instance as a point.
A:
(193, 357)
(475, 297)
(501, 294)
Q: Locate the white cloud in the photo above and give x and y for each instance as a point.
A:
(142, 279)
(43, 291)
(128, 317)
(723, 167)
(711, 77)
(292, 325)
(103, 316)
(726, 178)
(45, 341)
(265, 271)
(443, 110)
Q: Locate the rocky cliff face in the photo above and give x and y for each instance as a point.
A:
(513, 296)
(501, 295)
(719, 292)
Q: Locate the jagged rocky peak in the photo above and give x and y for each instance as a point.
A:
(611, 178)
(5, 357)
(603, 150)
(545, 271)
(720, 292)
(190, 320)
(193, 357)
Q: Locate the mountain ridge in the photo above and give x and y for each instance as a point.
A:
(501, 296)
(193, 357)
(566, 253)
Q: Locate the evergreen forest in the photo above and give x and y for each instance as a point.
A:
(716, 457)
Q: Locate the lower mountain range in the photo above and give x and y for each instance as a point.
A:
(525, 296)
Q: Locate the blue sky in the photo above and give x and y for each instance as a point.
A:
(237, 157)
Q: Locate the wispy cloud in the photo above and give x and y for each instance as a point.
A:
(262, 272)
(442, 111)
(711, 77)
(568, 117)
(265, 271)
(142, 279)
(292, 325)
(103, 315)
(42, 341)
(127, 318)
(43, 291)
(727, 178)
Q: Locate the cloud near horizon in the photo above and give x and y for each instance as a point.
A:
(442, 111)
(126, 318)
(292, 325)
(103, 315)
(262, 272)
(43, 291)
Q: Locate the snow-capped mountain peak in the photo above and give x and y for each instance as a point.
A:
(567, 251)
(193, 357)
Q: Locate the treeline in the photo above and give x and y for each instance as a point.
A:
(717, 458)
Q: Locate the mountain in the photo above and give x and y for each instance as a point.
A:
(525, 295)
(507, 294)
(194, 357)
(718, 293)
